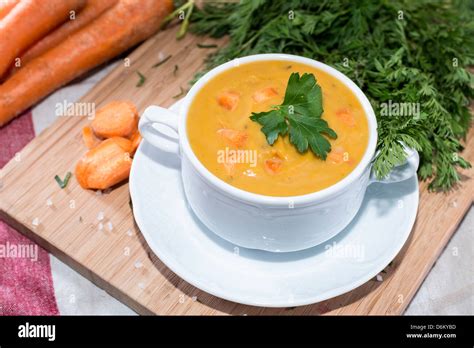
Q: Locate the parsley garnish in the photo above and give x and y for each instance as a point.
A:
(300, 116)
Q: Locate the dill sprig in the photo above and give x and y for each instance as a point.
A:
(401, 51)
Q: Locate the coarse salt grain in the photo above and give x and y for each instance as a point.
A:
(379, 278)
(138, 264)
(35, 222)
(49, 202)
(100, 226)
(100, 216)
(110, 227)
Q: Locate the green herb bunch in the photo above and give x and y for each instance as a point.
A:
(400, 51)
(300, 116)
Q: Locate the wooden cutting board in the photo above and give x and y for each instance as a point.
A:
(118, 260)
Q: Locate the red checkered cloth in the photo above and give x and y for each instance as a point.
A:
(26, 284)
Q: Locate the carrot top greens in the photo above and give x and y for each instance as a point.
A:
(400, 51)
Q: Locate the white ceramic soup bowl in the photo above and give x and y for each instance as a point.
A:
(277, 224)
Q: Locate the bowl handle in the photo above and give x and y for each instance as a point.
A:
(155, 115)
(402, 172)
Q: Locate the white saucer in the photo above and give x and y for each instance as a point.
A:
(259, 278)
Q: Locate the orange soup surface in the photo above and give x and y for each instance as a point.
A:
(233, 147)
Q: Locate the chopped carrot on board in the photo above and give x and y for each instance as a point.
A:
(116, 119)
(264, 94)
(234, 137)
(228, 100)
(346, 116)
(89, 138)
(125, 144)
(135, 139)
(105, 165)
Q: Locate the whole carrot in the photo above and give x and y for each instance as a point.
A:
(123, 26)
(27, 22)
(6, 6)
(92, 10)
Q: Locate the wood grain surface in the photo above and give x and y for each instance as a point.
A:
(117, 258)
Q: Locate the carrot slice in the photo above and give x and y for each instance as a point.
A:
(6, 6)
(89, 138)
(264, 94)
(123, 26)
(228, 100)
(273, 165)
(346, 116)
(233, 137)
(124, 143)
(92, 10)
(338, 155)
(135, 139)
(116, 119)
(105, 165)
(29, 21)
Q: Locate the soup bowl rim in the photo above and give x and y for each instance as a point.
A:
(278, 201)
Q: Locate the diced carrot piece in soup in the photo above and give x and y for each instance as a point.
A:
(273, 165)
(338, 155)
(228, 100)
(264, 94)
(229, 167)
(234, 137)
(346, 116)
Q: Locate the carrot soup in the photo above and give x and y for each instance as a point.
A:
(275, 153)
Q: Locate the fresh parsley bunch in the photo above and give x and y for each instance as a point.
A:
(403, 51)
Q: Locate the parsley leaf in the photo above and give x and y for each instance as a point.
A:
(300, 116)
(304, 94)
